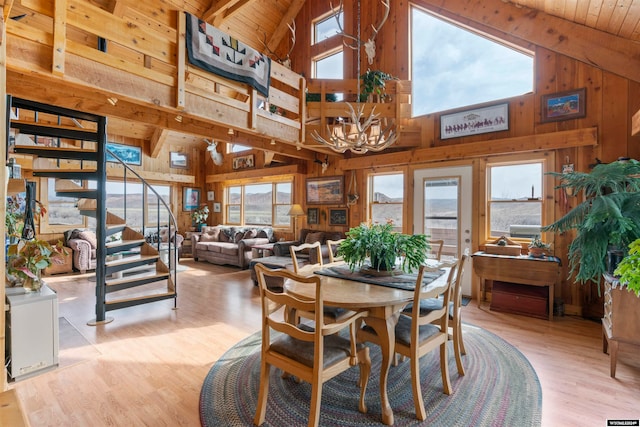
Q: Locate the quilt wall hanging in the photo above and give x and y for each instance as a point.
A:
(219, 53)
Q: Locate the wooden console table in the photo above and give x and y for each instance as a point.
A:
(517, 269)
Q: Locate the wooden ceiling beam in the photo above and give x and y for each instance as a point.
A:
(223, 9)
(521, 144)
(157, 142)
(598, 48)
(283, 27)
(6, 9)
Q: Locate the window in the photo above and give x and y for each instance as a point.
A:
(515, 199)
(386, 199)
(329, 67)
(62, 213)
(136, 200)
(453, 67)
(259, 204)
(327, 27)
(237, 148)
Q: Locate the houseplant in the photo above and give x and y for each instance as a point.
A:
(607, 219)
(538, 248)
(27, 259)
(628, 270)
(373, 83)
(200, 215)
(382, 246)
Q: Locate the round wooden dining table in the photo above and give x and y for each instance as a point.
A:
(382, 304)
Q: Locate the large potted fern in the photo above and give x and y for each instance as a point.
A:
(605, 222)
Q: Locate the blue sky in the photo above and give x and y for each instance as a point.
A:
(452, 67)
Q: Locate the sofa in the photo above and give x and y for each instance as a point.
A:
(229, 245)
(282, 256)
(308, 235)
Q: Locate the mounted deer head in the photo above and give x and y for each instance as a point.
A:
(286, 61)
(369, 45)
(213, 152)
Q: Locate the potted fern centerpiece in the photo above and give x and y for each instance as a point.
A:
(381, 246)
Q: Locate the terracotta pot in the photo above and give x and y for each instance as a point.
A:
(536, 252)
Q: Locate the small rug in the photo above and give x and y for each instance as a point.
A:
(500, 388)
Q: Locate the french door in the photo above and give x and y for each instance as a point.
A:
(442, 210)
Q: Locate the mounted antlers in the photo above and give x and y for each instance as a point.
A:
(286, 61)
(369, 45)
(213, 151)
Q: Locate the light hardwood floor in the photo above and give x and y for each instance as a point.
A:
(146, 367)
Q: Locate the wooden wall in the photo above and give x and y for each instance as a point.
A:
(610, 102)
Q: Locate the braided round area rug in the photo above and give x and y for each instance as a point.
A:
(500, 388)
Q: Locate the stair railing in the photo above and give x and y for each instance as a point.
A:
(172, 254)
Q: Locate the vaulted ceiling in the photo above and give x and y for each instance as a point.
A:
(264, 22)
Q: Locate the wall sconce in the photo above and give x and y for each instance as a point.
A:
(112, 100)
(273, 142)
(230, 132)
(178, 119)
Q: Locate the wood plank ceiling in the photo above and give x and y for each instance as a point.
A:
(257, 21)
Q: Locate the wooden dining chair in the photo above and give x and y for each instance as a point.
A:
(314, 355)
(331, 314)
(307, 249)
(417, 335)
(333, 248)
(436, 249)
(455, 312)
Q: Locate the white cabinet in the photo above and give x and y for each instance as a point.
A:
(31, 332)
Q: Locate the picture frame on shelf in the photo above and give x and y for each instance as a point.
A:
(338, 216)
(312, 216)
(190, 199)
(243, 162)
(325, 190)
(127, 153)
(178, 160)
(565, 105)
(492, 118)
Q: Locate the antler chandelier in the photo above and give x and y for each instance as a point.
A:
(357, 132)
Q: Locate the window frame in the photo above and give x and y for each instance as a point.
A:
(371, 190)
(547, 159)
(242, 185)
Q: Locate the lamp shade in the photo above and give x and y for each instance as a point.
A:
(296, 210)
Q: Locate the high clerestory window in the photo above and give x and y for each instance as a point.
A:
(327, 63)
(452, 67)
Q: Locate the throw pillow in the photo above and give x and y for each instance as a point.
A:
(90, 237)
(223, 237)
(206, 237)
(250, 234)
(214, 233)
(239, 235)
(314, 237)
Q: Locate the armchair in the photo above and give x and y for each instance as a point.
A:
(83, 245)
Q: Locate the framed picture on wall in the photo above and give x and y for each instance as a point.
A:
(564, 105)
(190, 199)
(243, 162)
(492, 118)
(325, 191)
(312, 216)
(178, 160)
(127, 153)
(337, 217)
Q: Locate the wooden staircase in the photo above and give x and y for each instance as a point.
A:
(121, 279)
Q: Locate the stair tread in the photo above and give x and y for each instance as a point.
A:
(141, 297)
(130, 259)
(116, 282)
(50, 148)
(62, 171)
(117, 243)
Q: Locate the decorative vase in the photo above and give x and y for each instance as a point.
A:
(31, 284)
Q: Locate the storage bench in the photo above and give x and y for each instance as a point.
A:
(516, 298)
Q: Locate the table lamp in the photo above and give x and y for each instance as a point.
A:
(295, 212)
